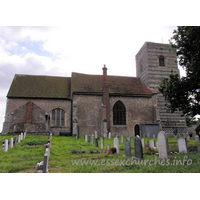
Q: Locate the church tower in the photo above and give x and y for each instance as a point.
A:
(154, 61)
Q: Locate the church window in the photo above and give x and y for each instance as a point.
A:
(58, 117)
(161, 61)
(119, 114)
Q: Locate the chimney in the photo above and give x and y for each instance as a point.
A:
(104, 75)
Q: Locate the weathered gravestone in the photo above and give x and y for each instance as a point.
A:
(154, 136)
(11, 143)
(182, 145)
(152, 143)
(138, 148)
(102, 143)
(109, 135)
(116, 144)
(15, 140)
(122, 139)
(143, 143)
(196, 138)
(19, 137)
(108, 146)
(88, 139)
(96, 142)
(24, 135)
(92, 139)
(128, 148)
(148, 135)
(163, 146)
(5, 148)
(95, 134)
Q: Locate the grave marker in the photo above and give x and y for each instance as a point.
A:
(138, 148)
(163, 145)
(5, 145)
(88, 138)
(152, 143)
(11, 143)
(92, 139)
(143, 143)
(102, 143)
(15, 140)
(128, 148)
(109, 135)
(22, 136)
(108, 146)
(96, 142)
(182, 145)
(148, 135)
(19, 136)
(116, 144)
(122, 139)
(196, 138)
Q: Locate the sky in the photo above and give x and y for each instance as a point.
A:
(76, 36)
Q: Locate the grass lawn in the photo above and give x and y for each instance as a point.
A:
(23, 157)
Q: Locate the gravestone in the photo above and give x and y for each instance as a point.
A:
(109, 135)
(102, 143)
(196, 138)
(163, 146)
(152, 143)
(143, 143)
(92, 139)
(128, 148)
(198, 148)
(96, 142)
(138, 148)
(188, 138)
(5, 145)
(154, 136)
(148, 135)
(122, 139)
(105, 134)
(22, 136)
(15, 140)
(116, 144)
(11, 143)
(108, 146)
(77, 133)
(95, 134)
(182, 145)
(88, 138)
(19, 137)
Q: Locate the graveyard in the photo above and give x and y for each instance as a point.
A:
(90, 155)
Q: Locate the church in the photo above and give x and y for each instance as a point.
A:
(104, 103)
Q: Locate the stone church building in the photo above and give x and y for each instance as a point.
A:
(103, 103)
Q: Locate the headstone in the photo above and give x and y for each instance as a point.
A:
(102, 143)
(122, 139)
(96, 142)
(22, 136)
(109, 135)
(105, 134)
(188, 138)
(116, 144)
(11, 143)
(148, 135)
(88, 138)
(92, 139)
(19, 137)
(152, 143)
(5, 145)
(163, 146)
(108, 146)
(77, 132)
(15, 140)
(138, 148)
(95, 134)
(182, 145)
(196, 138)
(143, 143)
(154, 136)
(198, 148)
(128, 148)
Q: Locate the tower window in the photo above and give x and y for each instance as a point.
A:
(58, 117)
(119, 114)
(161, 61)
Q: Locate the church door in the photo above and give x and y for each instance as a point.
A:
(137, 130)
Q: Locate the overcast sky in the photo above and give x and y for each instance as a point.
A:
(85, 36)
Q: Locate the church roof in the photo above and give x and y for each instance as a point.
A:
(83, 83)
(31, 86)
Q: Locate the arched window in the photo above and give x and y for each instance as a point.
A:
(58, 117)
(119, 114)
(161, 61)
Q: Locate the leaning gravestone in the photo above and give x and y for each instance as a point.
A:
(102, 143)
(163, 145)
(182, 145)
(152, 143)
(196, 138)
(116, 144)
(143, 143)
(96, 142)
(122, 139)
(128, 148)
(138, 148)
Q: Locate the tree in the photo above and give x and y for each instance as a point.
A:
(183, 94)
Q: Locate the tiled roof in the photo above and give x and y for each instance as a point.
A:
(84, 83)
(29, 86)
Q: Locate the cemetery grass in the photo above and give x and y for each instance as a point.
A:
(23, 157)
